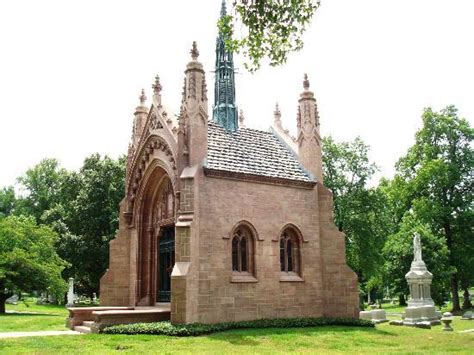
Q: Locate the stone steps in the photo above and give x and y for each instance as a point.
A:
(93, 319)
(82, 329)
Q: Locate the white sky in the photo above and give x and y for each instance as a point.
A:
(71, 72)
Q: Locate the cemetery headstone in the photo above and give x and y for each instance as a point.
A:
(468, 315)
(70, 293)
(12, 300)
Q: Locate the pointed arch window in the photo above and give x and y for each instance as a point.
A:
(290, 253)
(243, 255)
(242, 251)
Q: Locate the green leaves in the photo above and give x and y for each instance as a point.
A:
(42, 184)
(82, 207)
(93, 219)
(270, 29)
(358, 209)
(28, 259)
(7, 201)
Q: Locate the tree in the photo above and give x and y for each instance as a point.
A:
(7, 201)
(90, 219)
(358, 210)
(82, 207)
(436, 178)
(28, 260)
(42, 184)
(272, 29)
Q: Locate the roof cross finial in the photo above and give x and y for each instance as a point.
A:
(194, 51)
(142, 98)
(157, 86)
(306, 82)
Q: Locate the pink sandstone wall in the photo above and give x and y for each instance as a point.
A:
(341, 292)
(115, 284)
(205, 293)
(268, 208)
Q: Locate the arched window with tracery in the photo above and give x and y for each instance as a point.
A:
(290, 257)
(243, 251)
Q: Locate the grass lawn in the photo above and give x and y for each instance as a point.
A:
(382, 339)
(31, 306)
(45, 317)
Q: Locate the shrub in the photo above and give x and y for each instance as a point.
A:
(183, 330)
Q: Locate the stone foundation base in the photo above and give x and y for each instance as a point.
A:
(423, 314)
(375, 315)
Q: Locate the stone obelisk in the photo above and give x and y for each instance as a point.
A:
(70, 293)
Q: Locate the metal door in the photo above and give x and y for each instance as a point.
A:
(165, 263)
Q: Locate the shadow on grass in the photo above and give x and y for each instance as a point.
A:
(251, 336)
(26, 314)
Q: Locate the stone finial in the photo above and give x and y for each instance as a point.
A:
(306, 82)
(277, 112)
(241, 118)
(194, 51)
(277, 116)
(157, 86)
(142, 98)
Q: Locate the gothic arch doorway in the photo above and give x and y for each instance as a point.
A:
(164, 224)
(156, 239)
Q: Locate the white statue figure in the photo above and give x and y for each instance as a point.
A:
(417, 247)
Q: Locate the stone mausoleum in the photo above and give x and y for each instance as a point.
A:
(224, 222)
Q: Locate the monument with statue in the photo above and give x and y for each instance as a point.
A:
(421, 308)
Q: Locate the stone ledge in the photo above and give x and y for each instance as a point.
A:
(243, 279)
(291, 278)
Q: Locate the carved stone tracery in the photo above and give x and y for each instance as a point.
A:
(165, 207)
(138, 169)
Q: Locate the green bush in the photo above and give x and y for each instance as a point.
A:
(183, 330)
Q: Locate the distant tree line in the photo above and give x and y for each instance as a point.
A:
(76, 214)
(61, 223)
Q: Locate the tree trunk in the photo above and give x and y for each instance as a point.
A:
(455, 292)
(401, 300)
(454, 277)
(3, 297)
(467, 301)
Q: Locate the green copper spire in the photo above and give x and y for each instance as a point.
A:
(225, 110)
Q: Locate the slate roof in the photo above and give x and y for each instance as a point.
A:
(252, 152)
